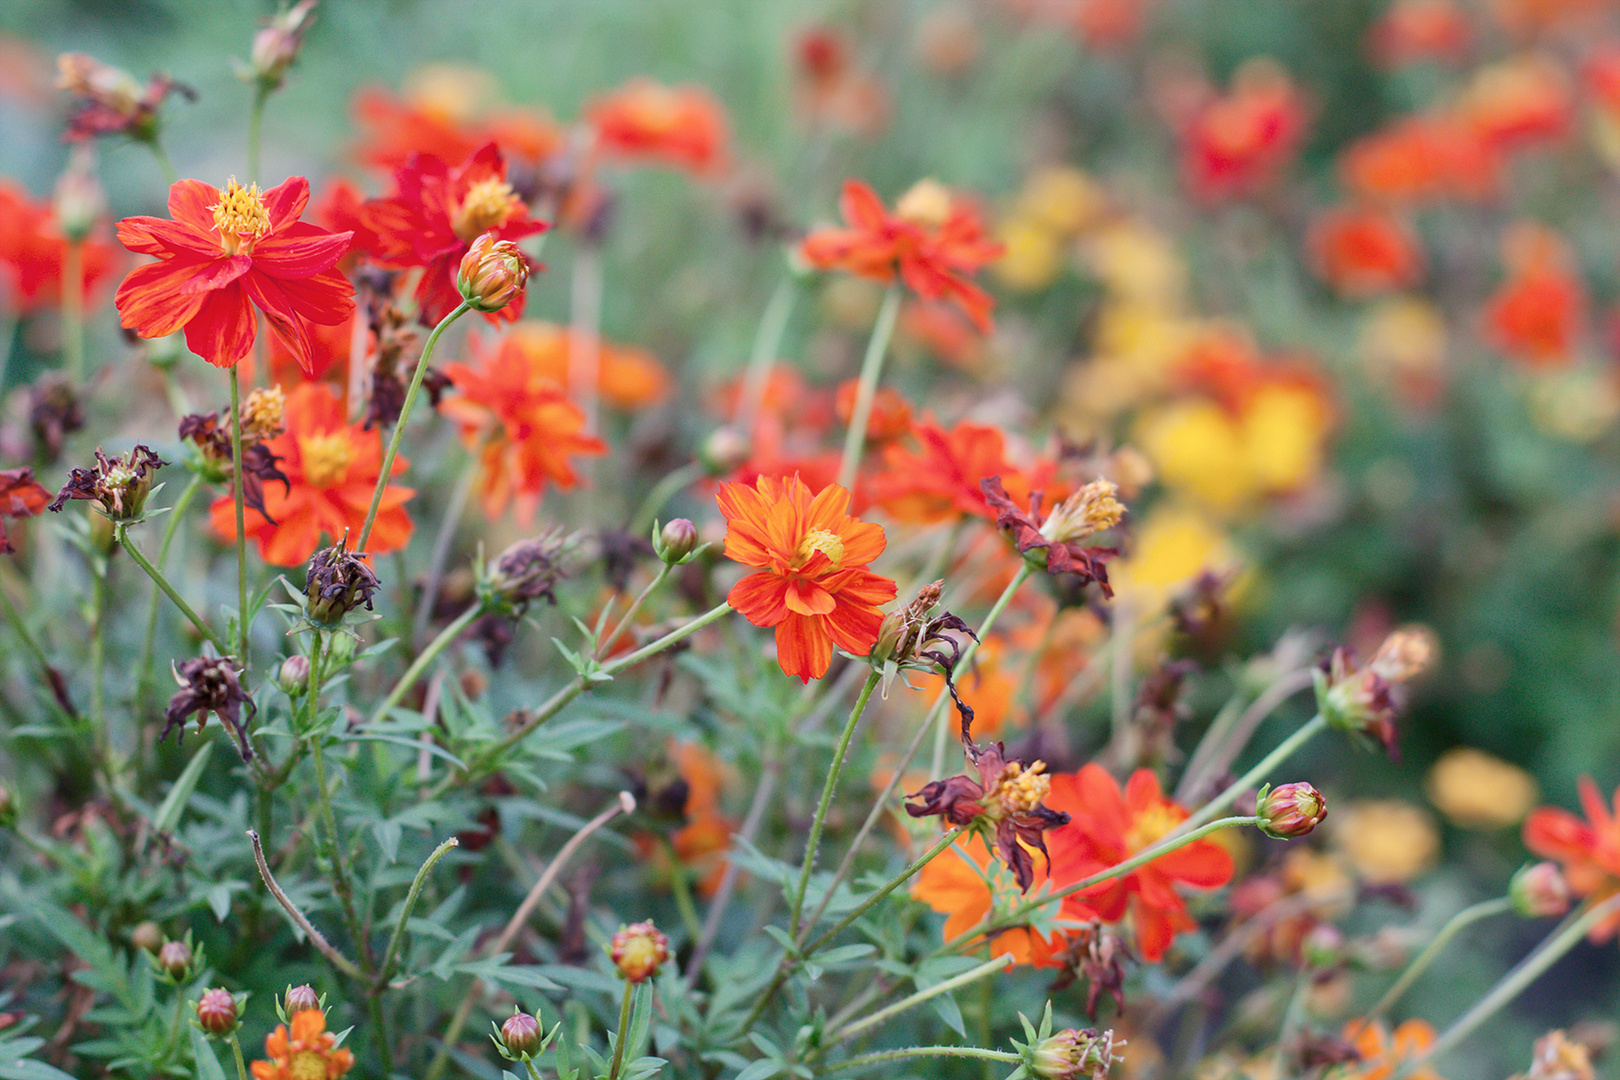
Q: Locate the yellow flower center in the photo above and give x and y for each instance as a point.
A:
(1151, 824)
(239, 216)
(1018, 791)
(307, 1065)
(928, 204)
(487, 205)
(828, 543)
(326, 458)
(262, 413)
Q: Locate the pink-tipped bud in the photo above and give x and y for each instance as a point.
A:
(80, 200)
(638, 950)
(520, 1035)
(1540, 891)
(493, 273)
(276, 46)
(676, 540)
(1324, 946)
(1073, 1053)
(293, 676)
(216, 1012)
(1290, 810)
(300, 999)
(174, 959)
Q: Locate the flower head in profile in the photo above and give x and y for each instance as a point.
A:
(20, 496)
(1588, 850)
(813, 585)
(226, 253)
(331, 468)
(1366, 700)
(119, 485)
(682, 126)
(209, 684)
(112, 101)
(933, 240)
(303, 1050)
(1090, 510)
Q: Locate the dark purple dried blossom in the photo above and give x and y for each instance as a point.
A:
(338, 582)
(209, 684)
(119, 484)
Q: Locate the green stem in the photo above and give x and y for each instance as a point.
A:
(405, 415)
(820, 820)
(379, 1032)
(624, 623)
(762, 357)
(14, 617)
(316, 938)
(882, 1056)
(236, 1050)
(894, 883)
(1282, 753)
(143, 690)
(237, 475)
(1464, 918)
(1514, 982)
(423, 659)
(971, 975)
(661, 493)
(73, 309)
(871, 368)
(623, 1033)
(340, 880)
(174, 1024)
(386, 971)
(135, 553)
(255, 128)
(98, 658)
(165, 166)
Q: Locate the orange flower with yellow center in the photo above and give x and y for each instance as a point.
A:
(813, 586)
(307, 1052)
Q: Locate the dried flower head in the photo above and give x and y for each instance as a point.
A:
(1072, 1053)
(1364, 700)
(216, 1012)
(1076, 519)
(1290, 810)
(119, 485)
(1097, 956)
(112, 101)
(209, 684)
(211, 434)
(55, 411)
(638, 951)
(527, 571)
(337, 583)
(910, 638)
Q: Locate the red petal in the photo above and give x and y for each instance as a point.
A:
(222, 331)
(760, 598)
(158, 236)
(152, 300)
(206, 277)
(300, 250)
(803, 647)
(192, 202)
(286, 201)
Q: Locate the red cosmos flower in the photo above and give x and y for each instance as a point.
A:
(681, 126)
(1420, 158)
(813, 587)
(226, 253)
(1538, 312)
(933, 240)
(940, 480)
(32, 249)
(436, 214)
(1238, 143)
(20, 496)
(1413, 30)
(1589, 850)
(1364, 251)
(332, 468)
(521, 423)
(1106, 828)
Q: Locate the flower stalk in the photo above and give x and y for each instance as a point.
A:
(871, 368)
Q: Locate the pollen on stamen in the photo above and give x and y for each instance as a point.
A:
(487, 205)
(828, 543)
(239, 215)
(325, 458)
(1020, 790)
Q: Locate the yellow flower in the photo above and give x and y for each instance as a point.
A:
(1034, 255)
(1062, 198)
(1173, 544)
(1137, 263)
(1477, 791)
(1386, 840)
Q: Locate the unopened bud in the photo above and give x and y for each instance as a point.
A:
(8, 808)
(1290, 811)
(174, 959)
(147, 936)
(676, 541)
(80, 200)
(1073, 1053)
(276, 46)
(300, 999)
(493, 273)
(638, 951)
(1540, 891)
(1323, 946)
(723, 451)
(216, 1012)
(520, 1035)
(293, 676)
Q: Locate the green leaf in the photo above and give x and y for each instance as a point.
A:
(174, 803)
(28, 1069)
(208, 1067)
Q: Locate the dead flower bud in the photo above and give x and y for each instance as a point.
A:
(120, 485)
(911, 639)
(1097, 956)
(337, 583)
(1364, 699)
(209, 684)
(212, 437)
(1073, 1053)
(1074, 520)
(525, 572)
(638, 951)
(1290, 811)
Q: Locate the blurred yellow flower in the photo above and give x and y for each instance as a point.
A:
(1475, 790)
(1387, 840)
(1064, 199)
(1137, 263)
(1283, 428)
(1172, 545)
(1578, 405)
(1034, 254)
(1403, 348)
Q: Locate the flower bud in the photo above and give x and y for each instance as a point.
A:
(638, 951)
(293, 676)
(338, 582)
(299, 999)
(1290, 811)
(1073, 1053)
(79, 200)
(8, 808)
(1540, 891)
(147, 936)
(493, 273)
(174, 959)
(1323, 946)
(276, 46)
(520, 1035)
(723, 451)
(216, 1012)
(676, 541)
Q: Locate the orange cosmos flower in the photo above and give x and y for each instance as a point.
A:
(20, 496)
(628, 378)
(940, 480)
(1364, 251)
(395, 128)
(307, 1052)
(813, 587)
(1107, 827)
(1238, 143)
(1410, 31)
(682, 126)
(1383, 1052)
(521, 423)
(1589, 850)
(1519, 102)
(1419, 158)
(32, 250)
(1538, 312)
(332, 468)
(933, 240)
(226, 253)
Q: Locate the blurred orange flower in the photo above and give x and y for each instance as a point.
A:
(939, 481)
(933, 240)
(1363, 251)
(1589, 850)
(1383, 1052)
(20, 496)
(683, 126)
(814, 587)
(420, 122)
(32, 250)
(1420, 158)
(964, 883)
(332, 468)
(1519, 102)
(306, 1053)
(889, 419)
(628, 377)
(1537, 314)
(522, 425)
(1410, 31)
(1239, 142)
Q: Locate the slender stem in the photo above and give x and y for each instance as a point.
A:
(1514, 982)
(165, 166)
(624, 622)
(894, 883)
(1464, 918)
(177, 513)
(770, 774)
(1292, 1014)
(661, 493)
(236, 1051)
(255, 128)
(620, 1037)
(762, 357)
(14, 617)
(971, 975)
(98, 655)
(8, 338)
(141, 560)
(386, 971)
(237, 476)
(881, 1056)
(73, 309)
(1282, 753)
(1216, 752)
(405, 415)
(871, 368)
(820, 820)
(338, 960)
(340, 880)
(423, 659)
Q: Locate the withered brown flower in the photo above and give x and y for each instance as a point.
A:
(1090, 510)
(209, 684)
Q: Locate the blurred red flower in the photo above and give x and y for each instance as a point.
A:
(683, 126)
(1361, 251)
(1589, 850)
(226, 253)
(395, 128)
(1537, 314)
(1421, 158)
(20, 496)
(627, 377)
(1239, 142)
(32, 251)
(940, 479)
(1410, 31)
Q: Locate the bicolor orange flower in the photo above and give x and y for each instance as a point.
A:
(307, 1052)
(1537, 314)
(226, 253)
(1383, 1052)
(1239, 142)
(32, 250)
(397, 128)
(1107, 827)
(1363, 251)
(332, 468)
(683, 126)
(813, 586)
(1589, 850)
(521, 424)
(1519, 102)
(939, 481)
(627, 377)
(963, 883)
(933, 240)
(434, 216)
